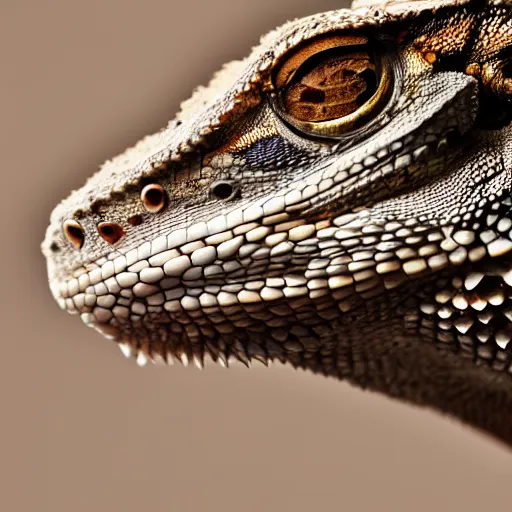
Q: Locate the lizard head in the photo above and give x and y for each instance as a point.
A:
(349, 179)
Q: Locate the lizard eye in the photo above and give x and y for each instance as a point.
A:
(333, 85)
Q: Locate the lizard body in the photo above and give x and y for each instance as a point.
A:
(339, 200)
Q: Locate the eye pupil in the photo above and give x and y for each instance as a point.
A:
(310, 95)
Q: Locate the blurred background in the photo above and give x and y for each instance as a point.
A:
(84, 429)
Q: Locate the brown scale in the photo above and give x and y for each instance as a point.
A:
(444, 39)
(448, 38)
(334, 88)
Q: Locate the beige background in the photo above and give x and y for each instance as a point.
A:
(83, 429)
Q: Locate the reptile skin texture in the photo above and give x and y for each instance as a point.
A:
(340, 201)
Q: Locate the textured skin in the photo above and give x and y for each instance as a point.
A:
(380, 255)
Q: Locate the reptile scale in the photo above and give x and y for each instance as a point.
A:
(340, 200)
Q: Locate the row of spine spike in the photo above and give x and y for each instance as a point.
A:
(223, 354)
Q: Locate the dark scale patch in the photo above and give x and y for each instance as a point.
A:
(477, 41)
(273, 153)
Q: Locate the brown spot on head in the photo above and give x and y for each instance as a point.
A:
(110, 232)
(496, 76)
(430, 57)
(135, 220)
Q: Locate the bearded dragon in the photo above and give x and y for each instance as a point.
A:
(339, 200)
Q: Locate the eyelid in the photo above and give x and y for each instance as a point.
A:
(292, 62)
(336, 127)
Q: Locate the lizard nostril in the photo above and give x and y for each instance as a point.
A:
(110, 232)
(74, 232)
(153, 198)
(223, 190)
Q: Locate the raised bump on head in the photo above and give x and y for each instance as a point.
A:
(153, 198)
(74, 232)
(110, 232)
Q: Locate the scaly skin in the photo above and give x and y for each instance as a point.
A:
(374, 248)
